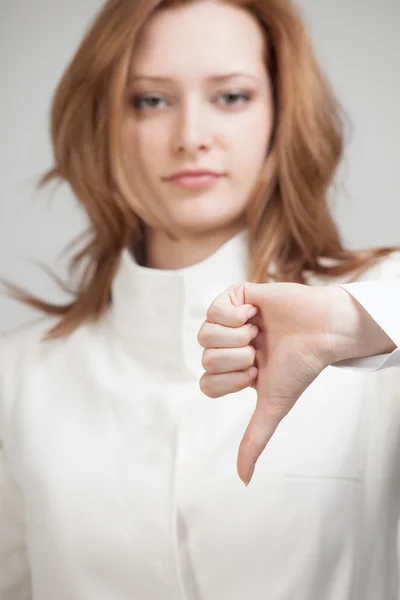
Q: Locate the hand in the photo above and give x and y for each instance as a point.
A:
(298, 331)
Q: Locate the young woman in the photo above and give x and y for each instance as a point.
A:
(202, 139)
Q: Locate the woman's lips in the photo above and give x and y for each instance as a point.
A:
(195, 180)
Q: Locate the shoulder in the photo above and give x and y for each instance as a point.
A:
(388, 267)
(17, 345)
(385, 269)
(18, 349)
(27, 355)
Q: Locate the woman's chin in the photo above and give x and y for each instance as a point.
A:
(211, 226)
(199, 221)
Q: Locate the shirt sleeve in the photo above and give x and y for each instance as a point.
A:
(14, 566)
(381, 299)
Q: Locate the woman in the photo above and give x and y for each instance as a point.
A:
(201, 138)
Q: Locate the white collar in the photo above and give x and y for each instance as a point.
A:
(157, 313)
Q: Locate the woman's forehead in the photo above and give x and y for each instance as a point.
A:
(210, 37)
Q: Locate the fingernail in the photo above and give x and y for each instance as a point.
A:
(254, 331)
(252, 312)
(253, 372)
(250, 475)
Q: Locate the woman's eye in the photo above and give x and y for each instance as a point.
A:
(233, 98)
(152, 102)
(148, 102)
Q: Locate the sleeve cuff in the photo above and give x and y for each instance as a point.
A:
(381, 299)
(370, 364)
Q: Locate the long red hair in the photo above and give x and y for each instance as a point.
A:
(289, 221)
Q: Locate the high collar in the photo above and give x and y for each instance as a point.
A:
(157, 313)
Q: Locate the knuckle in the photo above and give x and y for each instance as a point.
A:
(202, 337)
(206, 387)
(213, 313)
(206, 336)
(210, 361)
(203, 385)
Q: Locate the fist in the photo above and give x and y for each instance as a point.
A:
(274, 337)
(227, 336)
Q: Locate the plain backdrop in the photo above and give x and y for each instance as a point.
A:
(357, 42)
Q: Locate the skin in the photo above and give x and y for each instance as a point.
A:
(200, 116)
(298, 331)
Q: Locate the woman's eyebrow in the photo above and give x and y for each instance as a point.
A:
(214, 78)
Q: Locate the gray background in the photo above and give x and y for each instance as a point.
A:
(358, 43)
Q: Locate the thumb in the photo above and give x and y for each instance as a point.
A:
(229, 308)
(260, 430)
(271, 294)
(254, 293)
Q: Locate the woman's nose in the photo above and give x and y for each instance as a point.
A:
(191, 134)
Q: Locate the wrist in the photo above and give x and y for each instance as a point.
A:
(352, 332)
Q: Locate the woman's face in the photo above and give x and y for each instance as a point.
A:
(199, 99)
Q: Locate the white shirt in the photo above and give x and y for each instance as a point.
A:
(120, 477)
